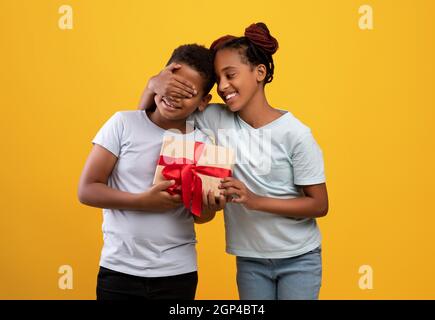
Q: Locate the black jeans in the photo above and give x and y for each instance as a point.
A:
(113, 285)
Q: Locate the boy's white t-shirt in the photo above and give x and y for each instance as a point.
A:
(145, 244)
(274, 161)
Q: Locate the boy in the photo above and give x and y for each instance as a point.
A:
(149, 238)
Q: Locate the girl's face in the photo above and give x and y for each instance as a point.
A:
(237, 82)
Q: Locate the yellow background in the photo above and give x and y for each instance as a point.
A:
(367, 95)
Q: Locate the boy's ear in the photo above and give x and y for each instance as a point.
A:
(204, 102)
(261, 72)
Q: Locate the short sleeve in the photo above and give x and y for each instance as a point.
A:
(209, 119)
(307, 161)
(110, 134)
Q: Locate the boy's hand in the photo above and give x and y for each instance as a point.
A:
(158, 200)
(211, 203)
(172, 86)
(233, 187)
(209, 207)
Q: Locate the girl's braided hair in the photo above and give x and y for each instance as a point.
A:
(257, 47)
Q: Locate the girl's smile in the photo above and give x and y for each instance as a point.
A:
(230, 97)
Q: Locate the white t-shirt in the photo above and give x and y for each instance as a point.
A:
(141, 243)
(274, 161)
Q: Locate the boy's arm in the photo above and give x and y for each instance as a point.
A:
(94, 191)
(166, 84)
(209, 208)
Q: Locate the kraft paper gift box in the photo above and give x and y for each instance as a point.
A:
(195, 167)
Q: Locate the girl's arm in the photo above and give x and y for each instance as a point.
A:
(147, 98)
(94, 191)
(313, 205)
(166, 84)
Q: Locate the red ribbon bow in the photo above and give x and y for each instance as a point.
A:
(185, 173)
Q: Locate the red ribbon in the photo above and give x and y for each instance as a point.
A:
(185, 173)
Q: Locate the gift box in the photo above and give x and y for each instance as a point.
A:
(195, 167)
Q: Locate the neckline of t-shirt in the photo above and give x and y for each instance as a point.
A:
(285, 113)
(165, 131)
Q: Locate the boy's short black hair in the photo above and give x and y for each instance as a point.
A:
(198, 58)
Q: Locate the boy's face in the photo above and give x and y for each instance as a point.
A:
(181, 110)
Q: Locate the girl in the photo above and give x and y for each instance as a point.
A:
(278, 186)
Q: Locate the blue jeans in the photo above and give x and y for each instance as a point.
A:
(296, 278)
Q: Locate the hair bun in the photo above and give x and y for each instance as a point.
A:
(221, 41)
(259, 34)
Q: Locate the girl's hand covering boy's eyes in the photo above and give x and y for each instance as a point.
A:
(167, 84)
(238, 192)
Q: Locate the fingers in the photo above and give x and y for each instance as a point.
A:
(211, 199)
(169, 201)
(176, 198)
(230, 184)
(215, 203)
(185, 85)
(232, 191)
(173, 100)
(238, 200)
(221, 202)
(161, 186)
(208, 200)
(173, 66)
(181, 88)
(178, 87)
(177, 93)
(205, 199)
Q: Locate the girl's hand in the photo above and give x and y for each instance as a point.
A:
(233, 187)
(170, 85)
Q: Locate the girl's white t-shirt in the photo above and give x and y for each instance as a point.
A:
(275, 161)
